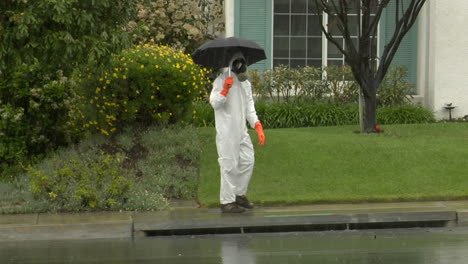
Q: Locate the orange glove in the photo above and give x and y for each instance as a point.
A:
(261, 135)
(227, 85)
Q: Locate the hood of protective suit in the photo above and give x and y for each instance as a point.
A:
(238, 65)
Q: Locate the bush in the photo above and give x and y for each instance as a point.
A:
(37, 116)
(395, 88)
(147, 85)
(289, 115)
(42, 43)
(61, 35)
(306, 84)
(79, 182)
(203, 114)
(405, 114)
(138, 169)
(304, 115)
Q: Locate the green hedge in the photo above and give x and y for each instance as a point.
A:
(288, 115)
(137, 169)
(405, 114)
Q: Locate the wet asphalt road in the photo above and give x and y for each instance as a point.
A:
(412, 246)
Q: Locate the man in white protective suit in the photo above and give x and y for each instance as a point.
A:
(233, 105)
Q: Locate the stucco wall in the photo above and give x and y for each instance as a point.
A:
(448, 50)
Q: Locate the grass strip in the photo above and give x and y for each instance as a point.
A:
(333, 164)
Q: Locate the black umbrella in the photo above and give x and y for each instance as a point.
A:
(217, 53)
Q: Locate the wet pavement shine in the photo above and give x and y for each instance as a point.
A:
(386, 246)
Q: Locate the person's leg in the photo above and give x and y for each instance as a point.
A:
(228, 152)
(246, 165)
(229, 181)
(229, 172)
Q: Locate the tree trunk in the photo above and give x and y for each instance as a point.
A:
(370, 101)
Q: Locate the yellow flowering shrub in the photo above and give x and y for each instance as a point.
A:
(146, 85)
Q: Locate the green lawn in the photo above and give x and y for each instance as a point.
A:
(333, 164)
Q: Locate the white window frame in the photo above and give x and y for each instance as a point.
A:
(325, 41)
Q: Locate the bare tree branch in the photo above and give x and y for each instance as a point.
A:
(361, 59)
(322, 6)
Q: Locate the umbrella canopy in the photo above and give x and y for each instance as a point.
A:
(217, 53)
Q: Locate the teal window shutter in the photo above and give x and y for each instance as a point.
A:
(253, 19)
(408, 51)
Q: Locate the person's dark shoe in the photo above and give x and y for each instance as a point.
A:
(244, 202)
(231, 208)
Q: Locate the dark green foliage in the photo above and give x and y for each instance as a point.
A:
(137, 169)
(305, 115)
(79, 182)
(203, 114)
(395, 89)
(61, 34)
(41, 43)
(405, 114)
(289, 115)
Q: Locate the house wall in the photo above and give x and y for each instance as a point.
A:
(446, 50)
(442, 49)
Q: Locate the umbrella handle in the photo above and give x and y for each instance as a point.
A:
(229, 70)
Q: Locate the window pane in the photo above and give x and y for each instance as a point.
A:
(314, 63)
(333, 51)
(335, 63)
(298, 25)
(278, 62)
(281, 6)
(281, 47)
(314, 48)
(312, 7)
(298, 47)
(355, 42)
(281, 25)
(297, 63)
(353, 6)
(314, 28)
(353, 25)
(333, 23)
(299, 6)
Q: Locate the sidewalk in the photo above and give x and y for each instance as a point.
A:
(185, 218)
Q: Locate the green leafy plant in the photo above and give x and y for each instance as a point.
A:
(331, 84)
(39, 118)
(340, 85)
(405, 114)
(289, 115)
(138, 169)
(82, 183)
(149, 84)
(395, 89)
(203, 114)
(42, 43)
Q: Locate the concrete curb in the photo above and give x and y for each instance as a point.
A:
(190, 220)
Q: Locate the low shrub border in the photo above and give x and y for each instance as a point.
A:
(290, 115)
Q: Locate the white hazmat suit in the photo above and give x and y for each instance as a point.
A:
(235, 149)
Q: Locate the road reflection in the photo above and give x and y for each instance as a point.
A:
(236, 251)
(412, 246)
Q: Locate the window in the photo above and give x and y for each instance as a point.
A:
(298, 39)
